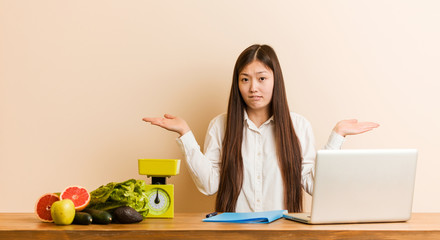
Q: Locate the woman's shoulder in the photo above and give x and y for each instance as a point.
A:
(299, 121)
(220, 118)
(219, 121)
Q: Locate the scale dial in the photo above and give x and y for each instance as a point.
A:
(159, 201)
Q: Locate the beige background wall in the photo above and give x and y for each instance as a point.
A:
(76, 78)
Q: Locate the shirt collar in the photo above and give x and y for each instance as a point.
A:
(251, 124)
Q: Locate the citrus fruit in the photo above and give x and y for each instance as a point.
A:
(79, 196)
(63, 212)
(43, 205)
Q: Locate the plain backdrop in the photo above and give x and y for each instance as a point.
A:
(77, 77)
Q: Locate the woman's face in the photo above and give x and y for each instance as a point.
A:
(256, 82)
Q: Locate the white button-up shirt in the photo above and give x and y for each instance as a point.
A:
(263, 186)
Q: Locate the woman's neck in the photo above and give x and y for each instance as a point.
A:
(258, 117)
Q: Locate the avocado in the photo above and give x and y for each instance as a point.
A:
(127, 214)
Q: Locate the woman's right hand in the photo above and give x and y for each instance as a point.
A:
(170, 123)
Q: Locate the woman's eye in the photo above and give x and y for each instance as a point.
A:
(262, 78)
(244, 79)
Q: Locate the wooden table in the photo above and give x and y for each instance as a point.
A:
(190, 226)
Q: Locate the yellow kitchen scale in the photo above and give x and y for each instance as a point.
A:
(160, 195)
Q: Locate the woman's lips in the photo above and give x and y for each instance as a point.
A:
(255, 97)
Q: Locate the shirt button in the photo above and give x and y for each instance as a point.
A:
(258, 177)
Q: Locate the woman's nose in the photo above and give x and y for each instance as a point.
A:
(253, 86)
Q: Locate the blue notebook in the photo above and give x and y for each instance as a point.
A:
(247, 217)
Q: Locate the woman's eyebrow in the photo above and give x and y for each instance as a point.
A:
(257, 73)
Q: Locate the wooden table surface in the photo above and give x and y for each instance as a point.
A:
(190, 226)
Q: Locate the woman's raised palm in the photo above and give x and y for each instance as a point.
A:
(169, 122)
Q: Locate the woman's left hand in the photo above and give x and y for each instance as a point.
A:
(353, 127)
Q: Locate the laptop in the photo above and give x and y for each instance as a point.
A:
(359, 186)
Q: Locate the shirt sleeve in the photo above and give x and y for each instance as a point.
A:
(309, 155)
(335, 141)
(204, 168)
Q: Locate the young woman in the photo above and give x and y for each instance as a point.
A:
(259, 155)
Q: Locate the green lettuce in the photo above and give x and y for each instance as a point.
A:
(113, 195)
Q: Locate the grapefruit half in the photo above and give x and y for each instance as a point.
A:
(43, 205)
(79, 196)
